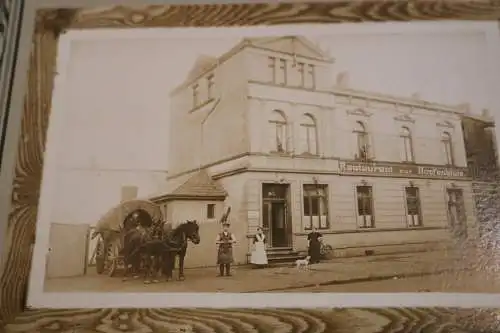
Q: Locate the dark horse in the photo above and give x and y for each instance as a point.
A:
(158, 253)
(177, 241)
(139, 228)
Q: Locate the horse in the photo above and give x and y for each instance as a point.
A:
(158, 254)
(177, 241)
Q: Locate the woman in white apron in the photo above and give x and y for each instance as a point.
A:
(259, 256)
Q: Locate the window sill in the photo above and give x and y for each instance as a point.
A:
(278, 153)
(280, 85)
(199, 106)
(308, 155)
(318, 229)
(367, 230)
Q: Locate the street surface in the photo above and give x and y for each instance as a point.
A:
(437, 271)
(465, 282)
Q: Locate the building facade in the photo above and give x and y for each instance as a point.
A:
(482, 159)
(480, 145)
(295, 148)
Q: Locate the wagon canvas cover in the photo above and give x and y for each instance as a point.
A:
(113, 219)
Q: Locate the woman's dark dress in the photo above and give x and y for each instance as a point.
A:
(314, 246)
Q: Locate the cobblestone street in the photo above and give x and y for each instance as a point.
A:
(448, 270)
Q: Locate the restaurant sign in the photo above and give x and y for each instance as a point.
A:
(402, 170)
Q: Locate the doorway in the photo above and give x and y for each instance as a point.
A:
(457, 219)
(275, 218)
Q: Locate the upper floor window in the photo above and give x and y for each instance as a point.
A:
(446, 142)
(302, 73)
(210, 86)
(310, 79)
(308, 135)
(278, 132)
(361, 141)
(282, 72)
(196, 95)
(406, 145)
(272, 69)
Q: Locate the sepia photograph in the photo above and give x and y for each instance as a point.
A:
(307, 160)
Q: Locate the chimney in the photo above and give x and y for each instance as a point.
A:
(343, 79)
(486, 113)
(128, 193)
(416, 96)
(465, 107)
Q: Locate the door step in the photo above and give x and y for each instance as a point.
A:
(282, 255)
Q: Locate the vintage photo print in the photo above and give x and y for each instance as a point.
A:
(295, 159)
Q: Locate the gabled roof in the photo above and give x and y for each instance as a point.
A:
(199, 186)
(290, 44)
(202, 64)
(480, 118)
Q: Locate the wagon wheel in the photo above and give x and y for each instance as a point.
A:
(113, 257)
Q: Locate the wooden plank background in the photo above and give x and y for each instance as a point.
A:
(21, 225)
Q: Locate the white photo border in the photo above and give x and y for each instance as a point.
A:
(37, 298)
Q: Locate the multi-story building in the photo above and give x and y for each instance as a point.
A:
(482, 159)
(294, 149)
(480, 145)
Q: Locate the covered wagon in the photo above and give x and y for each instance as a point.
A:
(111, 229)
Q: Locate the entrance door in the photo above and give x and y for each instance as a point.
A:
(276, 223)
(456, 212)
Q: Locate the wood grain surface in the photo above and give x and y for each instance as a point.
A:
(21, 226)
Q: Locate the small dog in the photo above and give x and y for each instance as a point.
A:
(303, 263)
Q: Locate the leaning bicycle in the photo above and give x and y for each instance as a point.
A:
(326, 251)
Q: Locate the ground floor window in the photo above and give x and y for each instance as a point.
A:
(315, 200)
(364, 195)
(413, 211)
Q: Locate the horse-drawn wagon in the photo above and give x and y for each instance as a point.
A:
(112, 228)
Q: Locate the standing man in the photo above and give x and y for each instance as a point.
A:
(225, 241)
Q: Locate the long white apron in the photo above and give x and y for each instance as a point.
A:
(259, 256)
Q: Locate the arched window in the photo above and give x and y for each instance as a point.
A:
(278, 132)
(406, 145)
(361, 141)
(308, 135)
(447, 145)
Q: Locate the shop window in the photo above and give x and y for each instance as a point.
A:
(315, 200)
(413, 211)
(365, 213)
